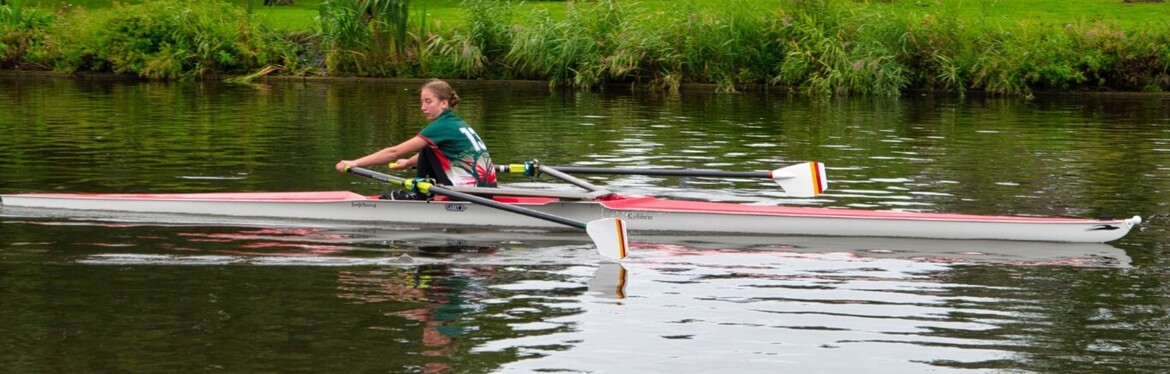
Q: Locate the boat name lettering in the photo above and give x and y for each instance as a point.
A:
(363, 204)
(639, 216)
(456, 207)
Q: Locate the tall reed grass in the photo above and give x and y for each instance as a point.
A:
(807, 47)
(365, 37)
(813, 47)
(476, 51)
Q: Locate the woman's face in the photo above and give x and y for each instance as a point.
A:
(432, 107)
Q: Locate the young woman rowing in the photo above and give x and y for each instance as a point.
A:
(446, 150)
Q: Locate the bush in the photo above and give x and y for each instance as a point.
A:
(22, 33)
(166, 39)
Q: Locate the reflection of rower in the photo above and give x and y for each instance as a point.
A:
(455, 246)
(440, 289)
(443, 306)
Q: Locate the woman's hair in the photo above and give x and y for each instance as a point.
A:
(442, 91)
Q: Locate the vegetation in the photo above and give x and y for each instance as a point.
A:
(367, 38)
(813, 47)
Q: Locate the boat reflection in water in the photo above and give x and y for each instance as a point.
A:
(929, 250)
(612, 279)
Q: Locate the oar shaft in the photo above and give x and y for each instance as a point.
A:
(556, 173)
(665, 172)
(507, 207)
(469, 197)
(608, 234)
(802, 180)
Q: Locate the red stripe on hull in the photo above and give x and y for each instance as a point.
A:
(655, 204)
(227, 196)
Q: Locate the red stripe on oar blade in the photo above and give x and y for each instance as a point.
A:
(818, 184)
(621, 230)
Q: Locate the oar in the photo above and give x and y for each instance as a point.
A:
(800, 180)
(609, 234)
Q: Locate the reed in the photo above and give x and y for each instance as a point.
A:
(568, 52)
(937, 52)
(832, 50)
(729, 47)
(364, 37)
(476, 50)
(649, 49)
(810, 47)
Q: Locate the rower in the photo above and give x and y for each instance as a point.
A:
(447, 151)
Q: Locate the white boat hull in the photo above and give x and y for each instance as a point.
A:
(642, 215)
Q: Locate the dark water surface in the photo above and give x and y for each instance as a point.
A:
(123, 293)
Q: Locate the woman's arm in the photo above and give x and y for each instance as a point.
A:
(388, 154)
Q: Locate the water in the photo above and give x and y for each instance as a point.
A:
(116, 292)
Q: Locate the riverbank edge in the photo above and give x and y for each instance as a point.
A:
(116, 77)
(528, 84)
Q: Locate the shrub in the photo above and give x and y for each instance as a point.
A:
(166, 39)
(22, 32)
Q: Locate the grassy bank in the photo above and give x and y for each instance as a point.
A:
(812, 47)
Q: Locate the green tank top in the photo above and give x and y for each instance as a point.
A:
(462, 154)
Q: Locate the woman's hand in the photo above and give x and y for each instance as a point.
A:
(402, 163)
(342, 165)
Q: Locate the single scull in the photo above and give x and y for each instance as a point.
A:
(642, 214)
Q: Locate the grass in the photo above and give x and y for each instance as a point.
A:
(814, 47)
(1005, 13)
(1000, 13)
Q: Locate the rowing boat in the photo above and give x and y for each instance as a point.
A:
(604, 215)
(643, 214)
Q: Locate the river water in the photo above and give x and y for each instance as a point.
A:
(126, 293)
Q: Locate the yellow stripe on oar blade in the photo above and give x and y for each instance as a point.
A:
(802, 180)
(609, 234)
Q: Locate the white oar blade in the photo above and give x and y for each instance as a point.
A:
(802, 180)
(609, 234)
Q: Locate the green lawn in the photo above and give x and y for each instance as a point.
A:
(1009, 13)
